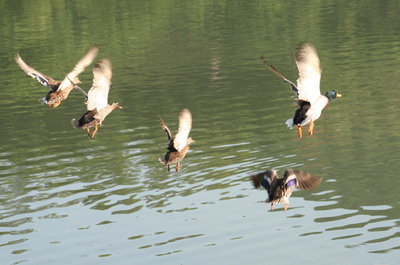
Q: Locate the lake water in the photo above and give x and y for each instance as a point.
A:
(65, 199)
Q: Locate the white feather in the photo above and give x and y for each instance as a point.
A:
(309, 70)
(316, 109)
(289, 123)
(79, 67)
(185, 125)
(98, 93)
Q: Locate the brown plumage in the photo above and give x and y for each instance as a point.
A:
(59, 90)
(280, 189)
(97, 105)
(179, 145)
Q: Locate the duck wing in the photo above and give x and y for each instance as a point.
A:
(267, 180)
(42, 78)
(300, 179)
(168, 132)
(185, 125)
(98, 93)
(273, 69)
(79, 68)
(308, 66)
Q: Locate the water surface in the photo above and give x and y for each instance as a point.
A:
(69, 200)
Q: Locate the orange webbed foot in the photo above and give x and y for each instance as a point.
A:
(299, 131)
(311, 128)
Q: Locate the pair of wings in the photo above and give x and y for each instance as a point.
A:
(50, 82)
(291, 178)
(308, 66)
(185, 125)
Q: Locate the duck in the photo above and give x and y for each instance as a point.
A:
(59, 90)
(307, 90)
(179, 145)
(97, 103)
(280, 189)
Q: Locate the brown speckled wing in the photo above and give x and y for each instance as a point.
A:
(304, 180)
(42, 78)
(168, 132)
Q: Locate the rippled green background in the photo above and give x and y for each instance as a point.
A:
(67, 200)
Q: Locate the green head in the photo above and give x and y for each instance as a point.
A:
(332, 94)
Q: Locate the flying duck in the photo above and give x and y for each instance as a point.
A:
(307, 91)
(97, 103)
(59, 90)
(179, 145)
(280, 189)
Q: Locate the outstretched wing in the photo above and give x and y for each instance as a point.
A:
(185, 124)
(98, 93)
(309, 69)
(273, 69)
(79, 67)
(267, 180)
(43, 79)
(300, 179)
(168, 132)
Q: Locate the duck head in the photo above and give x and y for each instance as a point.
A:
(115, 106)
(332, 94)
(190, 140)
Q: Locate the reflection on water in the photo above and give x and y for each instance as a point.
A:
(110, 200)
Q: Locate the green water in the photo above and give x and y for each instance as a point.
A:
(65, 199)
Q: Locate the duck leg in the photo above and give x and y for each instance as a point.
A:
(55, 105)
(299, 132)
(272, 206)
(311, 128)
(88, 131)
(168, 167)
(96, 127)
(286, 206)
(177, 167)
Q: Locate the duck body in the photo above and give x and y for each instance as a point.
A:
(55, 96)
(280, 189)
(59, 90)
(307, 91)
(174, 156)
(179, 145)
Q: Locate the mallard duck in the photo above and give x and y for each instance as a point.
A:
(59, 90)
(280, 189)
(97, 105)
(308, 93)
(179, 145)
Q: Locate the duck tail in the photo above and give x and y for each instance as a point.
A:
(75, 123)
(162, 160)
(290, 123)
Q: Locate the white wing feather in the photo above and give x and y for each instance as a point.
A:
(79, 67)
(98, 93)
(185, 124)
(309, 69)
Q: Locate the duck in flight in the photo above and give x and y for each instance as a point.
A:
(307, 91)
(59, 90)
(179, 145)
(97, 104)
(280, 189)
